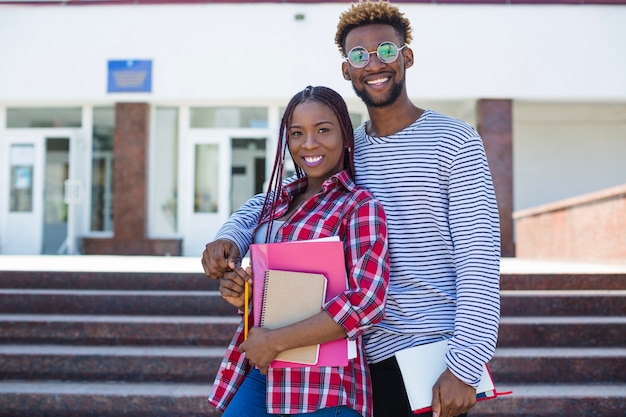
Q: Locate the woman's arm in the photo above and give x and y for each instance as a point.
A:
(352, 311)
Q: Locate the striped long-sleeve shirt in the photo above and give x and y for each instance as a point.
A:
(444, 240)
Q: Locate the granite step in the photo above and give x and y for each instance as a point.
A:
(527, 303)
(559, 365)
(113, 330)
(189, 364)
(110, 330)
(554, 331)
(46, 301)
(117, 363)
(196, 281)
(115, 399)
(563, 281)
(164, 303)
(110, 399)
(99, 280)
(555, 400)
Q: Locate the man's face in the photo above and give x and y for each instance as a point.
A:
(378, 84)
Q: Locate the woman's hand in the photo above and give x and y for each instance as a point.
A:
(259, 348)
(232, 286)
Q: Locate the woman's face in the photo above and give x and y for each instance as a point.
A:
(315, 140)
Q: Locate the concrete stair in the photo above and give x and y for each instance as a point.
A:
(93, 343)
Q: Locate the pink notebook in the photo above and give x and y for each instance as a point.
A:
(318, 256)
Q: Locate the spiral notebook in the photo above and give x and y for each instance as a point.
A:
(289, 297)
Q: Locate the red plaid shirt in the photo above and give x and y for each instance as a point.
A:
(345, 210)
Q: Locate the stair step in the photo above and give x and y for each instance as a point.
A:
(118, 363)
(577, 331)
(563, 281)
(574, 331)
(559, 365)
(166, 303)
(197, 281)
(80, 280)
(117, 330)
(111, 399)
(514, 303)
(118, 399)
(563, 303)
(555, 400)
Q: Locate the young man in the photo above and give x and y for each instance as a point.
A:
(431, 174)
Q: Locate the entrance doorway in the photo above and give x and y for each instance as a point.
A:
(226, 170)
(36, 178)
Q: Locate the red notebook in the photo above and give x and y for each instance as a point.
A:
(320, 256)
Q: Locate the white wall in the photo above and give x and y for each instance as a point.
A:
(259, 51)
(539, 56)
(562, 150)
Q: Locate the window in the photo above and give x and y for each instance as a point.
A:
(205, 179)
(225, 117)
(44, 117)
(22, 160)
(164, 180)
(102, 169)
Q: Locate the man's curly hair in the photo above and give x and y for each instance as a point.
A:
(367, 12)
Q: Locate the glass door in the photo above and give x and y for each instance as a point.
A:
(37, 178)
(205, 203)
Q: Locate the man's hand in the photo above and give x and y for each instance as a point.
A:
(451, 396)
(220, 256)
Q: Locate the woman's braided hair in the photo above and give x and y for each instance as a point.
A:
(367, 12)
(337, 105)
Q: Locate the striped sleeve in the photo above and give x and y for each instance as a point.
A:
(240, 226)
(474, 227)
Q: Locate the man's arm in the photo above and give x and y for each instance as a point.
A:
(233, 239)
(474, 225)
(475, 229)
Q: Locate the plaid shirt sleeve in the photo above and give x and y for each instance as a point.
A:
(367, 258)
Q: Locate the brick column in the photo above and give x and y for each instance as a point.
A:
(130, 189)
(130, 146)
(495, 126)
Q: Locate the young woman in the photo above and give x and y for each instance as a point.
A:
(323, 201)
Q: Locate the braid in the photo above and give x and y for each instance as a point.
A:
(367, 12)
(335, 102)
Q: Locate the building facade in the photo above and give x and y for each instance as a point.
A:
(131, 128)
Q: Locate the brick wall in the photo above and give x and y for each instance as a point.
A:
(591, 227)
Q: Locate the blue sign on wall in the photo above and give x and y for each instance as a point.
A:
(130, 76)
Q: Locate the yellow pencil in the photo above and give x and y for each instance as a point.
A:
(245, 310)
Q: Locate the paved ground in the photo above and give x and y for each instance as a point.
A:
(114, 263)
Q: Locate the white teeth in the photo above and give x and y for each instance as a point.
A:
(312, 159)
(378, 81)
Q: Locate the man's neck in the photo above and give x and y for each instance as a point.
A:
(385, 121)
